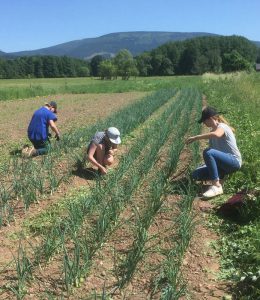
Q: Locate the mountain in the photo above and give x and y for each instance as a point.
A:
(256, 43)
(109, 44)
(3, 54)
(6, 55)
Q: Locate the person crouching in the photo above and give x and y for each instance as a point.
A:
(102, 148)
(222, 157)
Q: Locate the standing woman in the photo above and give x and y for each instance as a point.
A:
(222, 157)
(102, 147)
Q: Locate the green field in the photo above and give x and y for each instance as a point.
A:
(127, 234)
(25, 88)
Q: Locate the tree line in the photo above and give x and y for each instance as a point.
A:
(190, 57)
(199, 55)
(43, 67)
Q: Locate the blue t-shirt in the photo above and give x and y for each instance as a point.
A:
(38, 129)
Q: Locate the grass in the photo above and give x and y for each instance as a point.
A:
(26, 88)
(239, 97)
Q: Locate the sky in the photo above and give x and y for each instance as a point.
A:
(35, 24)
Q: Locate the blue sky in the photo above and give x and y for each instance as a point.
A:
(35, 24)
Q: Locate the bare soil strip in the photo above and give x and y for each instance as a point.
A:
(201, 264)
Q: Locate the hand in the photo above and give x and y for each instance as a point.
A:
(111, 152)
(190, 140)
(103, 170)
(57, 137)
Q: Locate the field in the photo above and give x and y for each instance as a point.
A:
(77, 110)
(25, 88)
(139, 232)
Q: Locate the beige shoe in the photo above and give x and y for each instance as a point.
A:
(24, 152)
(28, 152)
(32, 152)
(213, 191)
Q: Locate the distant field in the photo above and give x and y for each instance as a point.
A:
(26, 88)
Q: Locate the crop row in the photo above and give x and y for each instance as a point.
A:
(74, 237)
(25, 180)
(154, 199)
(95, 200)
(87, 204)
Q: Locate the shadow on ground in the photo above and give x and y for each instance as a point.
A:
(16, 152)
(86, 173)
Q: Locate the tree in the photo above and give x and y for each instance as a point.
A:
(50, 69)
(107, 69)
(258, 56)
(242, 45)
(38, 67)
(94, 65)
(214, 61)
(143, 63)
(2, 68)
(201, 65)
(235, 62)
(189, 57)
(82, 71)
(68, 67)
(125, 64)
(174, 51)
(156, 62)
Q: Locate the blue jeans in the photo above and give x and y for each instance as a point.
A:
(42, 147)
(217, 165)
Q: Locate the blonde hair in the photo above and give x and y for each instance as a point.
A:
(221, 119)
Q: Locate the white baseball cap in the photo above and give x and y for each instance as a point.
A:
(114, 135)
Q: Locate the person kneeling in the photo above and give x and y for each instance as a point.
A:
(102, 148)
(222, 157)
(38, 130)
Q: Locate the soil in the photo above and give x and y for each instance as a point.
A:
(73, 112)
(200, 265)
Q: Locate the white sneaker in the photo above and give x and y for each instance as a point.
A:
(213, 191)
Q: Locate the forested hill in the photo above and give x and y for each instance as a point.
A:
(257, 44)
(110, 44)
(4, 55)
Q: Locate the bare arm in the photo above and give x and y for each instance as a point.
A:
(218, 133)
(91, 152)
(54, 127)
